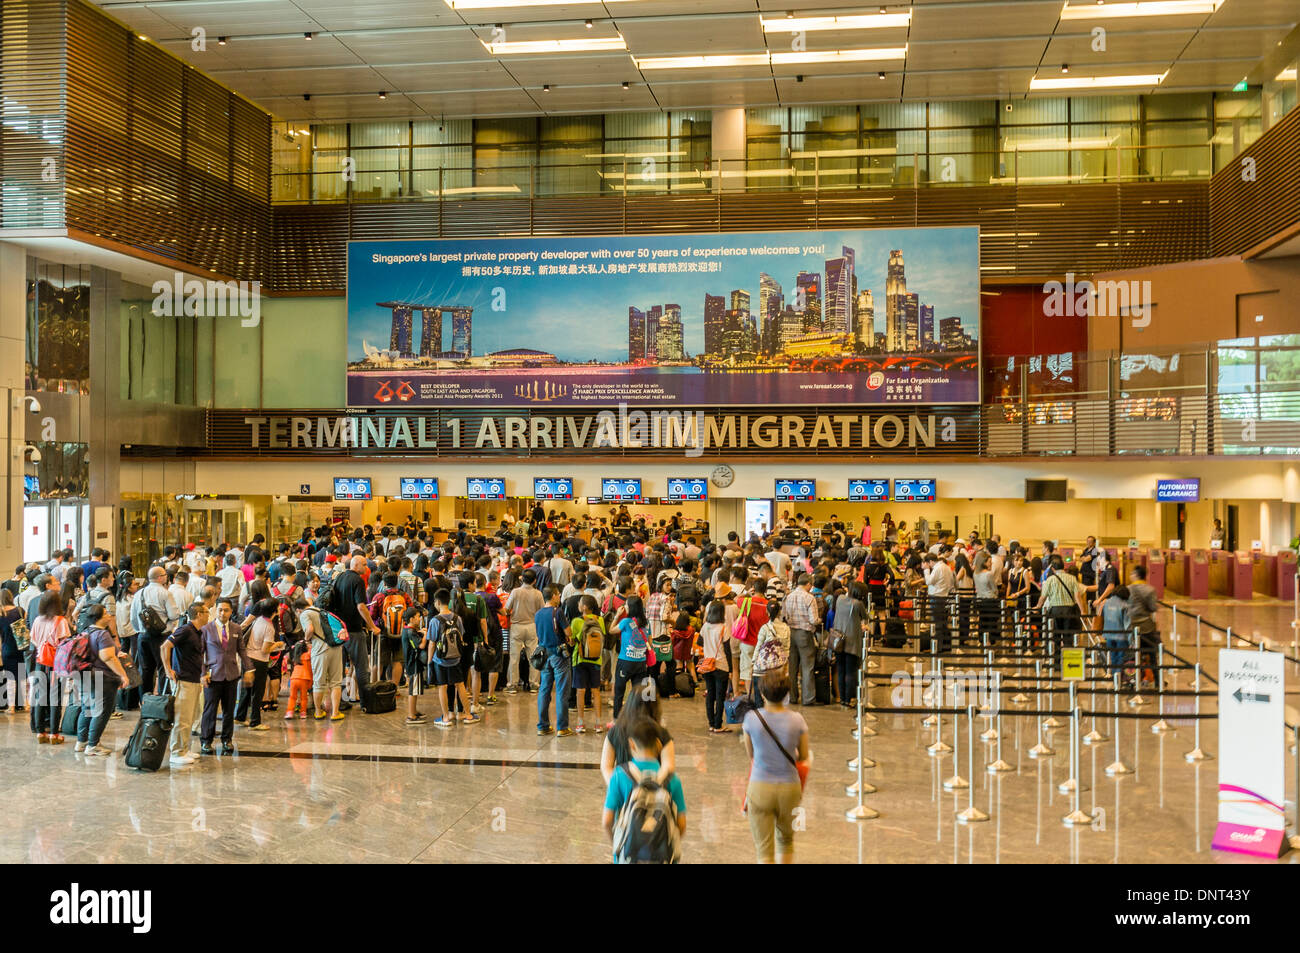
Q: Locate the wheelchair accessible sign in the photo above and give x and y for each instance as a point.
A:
(1252, 753)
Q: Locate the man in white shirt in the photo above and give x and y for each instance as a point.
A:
(157, 597)
(232, 578)
(778, 560)
(940, 583)
(180, 592)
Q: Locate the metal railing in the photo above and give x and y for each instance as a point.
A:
(656, 174)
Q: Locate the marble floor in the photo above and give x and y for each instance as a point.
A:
(370, 789)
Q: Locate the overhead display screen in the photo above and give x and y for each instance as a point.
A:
(620, 489)
(687, 488)
(418, 488)
(352, 488)
(914, 491)
(486, 488)
(796, 491)
(552, 488)
(869, 491)
(1179, 491)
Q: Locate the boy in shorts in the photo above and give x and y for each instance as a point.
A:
(412, 635)
(448, 675)
(586, 671)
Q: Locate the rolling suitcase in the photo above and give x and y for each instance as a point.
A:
(71, 715)
(378, 698)
(148, 745)
(683, 684)
(822, 683)
(895, 633)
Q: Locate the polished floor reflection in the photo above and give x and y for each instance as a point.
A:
(370, 789)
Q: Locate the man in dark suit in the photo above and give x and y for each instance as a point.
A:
(224, 661)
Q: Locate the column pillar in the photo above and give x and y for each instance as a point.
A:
(729, 147)
(13, 350)
(103, 434)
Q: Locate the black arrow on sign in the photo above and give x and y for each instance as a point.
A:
(1243, 696)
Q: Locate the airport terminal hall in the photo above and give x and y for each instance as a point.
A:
(513, 432)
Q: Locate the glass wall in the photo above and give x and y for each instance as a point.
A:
(58, 327)
(1080, 139)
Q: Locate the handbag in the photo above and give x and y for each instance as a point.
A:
(651, 659)
(800, 766)
(21, 633)
(706, 665)
(538, 659)
(133, 677)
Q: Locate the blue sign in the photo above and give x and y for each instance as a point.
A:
(486, 488)
(352, 488)
(868, 491)
(620, 489)
(796, 491)
(419, 488)
(914, 491)
(552, 488)
(687, 488)
(304, 489)
(1179, 491)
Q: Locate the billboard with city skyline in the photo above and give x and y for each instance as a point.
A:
(862, 316)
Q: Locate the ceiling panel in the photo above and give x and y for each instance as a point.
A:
(704, 35)
(974, 54)
(958, 49)
(730, 92)
(592, 68)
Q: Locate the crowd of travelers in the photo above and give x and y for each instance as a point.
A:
(603, 626)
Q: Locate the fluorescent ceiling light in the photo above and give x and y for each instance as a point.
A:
(774, 59)
(582, 45)
(1287, 75)
(1058, 145)
(1038, 179)
(1097, 82)
(695, 62)
(1086, 10)
(507, 4)
(835, 153)
(870, 21)
(633, 155)
(478, 190)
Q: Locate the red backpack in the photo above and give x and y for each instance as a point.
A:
(392, 604)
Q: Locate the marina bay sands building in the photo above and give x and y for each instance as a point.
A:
(431, 318)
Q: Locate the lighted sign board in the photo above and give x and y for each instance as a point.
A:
(552, 488)
(485, 488)
(1179, 491)
(914, 491)
(687, 488)
(418, 488)
(352, 488)
(620, 489)
(796, 491)
(868, 491)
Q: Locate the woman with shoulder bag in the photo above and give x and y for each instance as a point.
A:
(847, 640)
(776, 740)
(49, 629)
(11, 652)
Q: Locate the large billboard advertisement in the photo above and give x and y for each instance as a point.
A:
(888, 316)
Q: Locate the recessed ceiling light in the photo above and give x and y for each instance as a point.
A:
(585, 45)
(546, 88)
(774, 59)
(880, 75)
(143, 37)
(1144, 8)
(382, 94)
(221, 41)
(589, 24)
(870, 21)
(799, 78)
(1065, 67)
(306, 97)
(1098, 82)
(306, 36)
(626, 84)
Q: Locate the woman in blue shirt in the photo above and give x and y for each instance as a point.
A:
(633, 637)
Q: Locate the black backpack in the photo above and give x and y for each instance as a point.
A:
(325, 597)
(646, 831)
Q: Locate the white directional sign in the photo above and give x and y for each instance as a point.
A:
(1252, 753)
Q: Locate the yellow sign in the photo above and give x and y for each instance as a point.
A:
(1071, 663)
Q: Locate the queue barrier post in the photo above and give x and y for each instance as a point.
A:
(1117, 767)
(1072, 783)
(999, 766)
(1197, 754)
(939, 747)
(957, 782)
(1161, 726)
(860, 812)
(1040, 750)
(971, 814)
